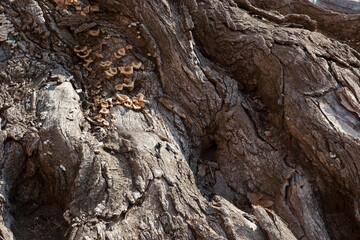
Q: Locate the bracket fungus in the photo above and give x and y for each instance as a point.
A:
(109, 101)
(122, 98)
(104, 111)
(126, 70)
(106, 64)
(104, 104)
(120, 53)
(106, 123)
(94, 33)
(112, 71)
(98, 55)
(128, 103)
(129, 86)
(136, 107)
(87, 62)
(72, 2)
(60, 3)
(140, 100)
(86, 53)
(82, 52)
(77, 49)
(136, 65)
(119, 87)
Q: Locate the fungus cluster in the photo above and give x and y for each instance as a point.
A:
(6, 27)
(80, 9)
(103, 103)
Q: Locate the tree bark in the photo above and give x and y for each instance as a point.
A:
(251, 130)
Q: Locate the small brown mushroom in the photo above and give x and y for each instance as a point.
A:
(129, 86)
(106, 64)
(122, 98)
(112, 71)
(126, 70)
(127, 80)
(98, 55)
(78, 49)
(136, 107)
(104, 111)
(94, 33)
(104, 104)
(72, 2)
(140, 99)
(119, 87)
(89, 69)
(128, 47)
(60, 3)
(87, 62)
(86, 53)
(97, 117)
(100, 120)
(120, 53)
(128, 103)
(109, 101)
(83, 14)
(136, 65)
(106, 123)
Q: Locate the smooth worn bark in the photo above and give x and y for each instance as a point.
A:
(251, 130)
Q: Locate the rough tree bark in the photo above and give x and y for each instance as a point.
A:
(252, 130)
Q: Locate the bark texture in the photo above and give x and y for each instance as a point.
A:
(252, 130)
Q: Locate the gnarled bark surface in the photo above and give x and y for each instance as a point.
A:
(252, 130)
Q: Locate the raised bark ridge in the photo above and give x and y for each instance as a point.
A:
(252, 130)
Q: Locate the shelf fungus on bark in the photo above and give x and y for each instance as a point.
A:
(129, 86)
(120, 53)
(119, 87)
(77, 49)
(88, 62)
(122, 98)
(82, 52)
(139, 100)
(98, 55)
(126, 70)
(106, 64)
(104, 111)
(72, 2)
(104, 104)
(60, 3)
(94, 33)
(128, 103)
(136, 65)
(112, 71)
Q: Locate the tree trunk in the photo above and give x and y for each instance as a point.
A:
(251, 130)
